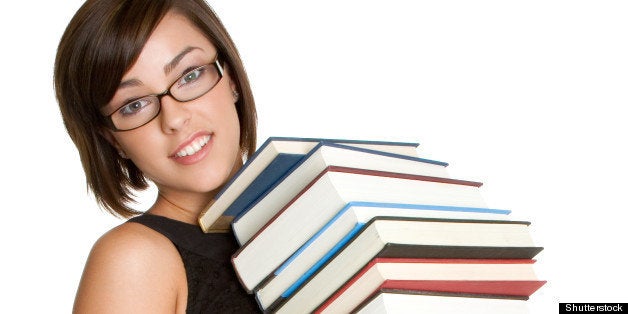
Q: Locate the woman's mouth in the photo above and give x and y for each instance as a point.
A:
(193, 147)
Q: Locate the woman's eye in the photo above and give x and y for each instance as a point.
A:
(191, 76)
(134, 107)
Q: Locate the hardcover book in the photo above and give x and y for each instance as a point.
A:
(324, 155)
(510, 277)
(413, 238)
(325, 196)
(275, 157)
(333, 225)
(403, 302)
(340, 230)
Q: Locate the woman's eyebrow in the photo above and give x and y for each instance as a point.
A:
(175, 61)
(167, 68)
(129, 83)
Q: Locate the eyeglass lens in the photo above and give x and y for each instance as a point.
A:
(190, 86)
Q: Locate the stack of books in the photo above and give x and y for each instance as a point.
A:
(338, 226)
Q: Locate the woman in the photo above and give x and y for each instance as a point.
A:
(155, 90)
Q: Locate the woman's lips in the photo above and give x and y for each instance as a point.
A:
(193, 147)
(194, 150)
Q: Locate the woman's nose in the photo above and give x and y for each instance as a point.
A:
(174, 114)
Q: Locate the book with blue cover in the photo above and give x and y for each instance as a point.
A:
(257, 214)
(341, 229)
(325, 196)
(412, 238)
(276, 157)
(299, 204)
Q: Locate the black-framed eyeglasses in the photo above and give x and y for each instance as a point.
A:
(188, 87)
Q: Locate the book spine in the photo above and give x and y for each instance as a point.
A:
(431, 207)
(520, 288)
(264, 181)
(406, 176)
(322, 261)
(447, 252)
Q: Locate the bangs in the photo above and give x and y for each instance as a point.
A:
(109, 44)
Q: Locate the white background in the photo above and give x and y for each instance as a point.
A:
(525, 96)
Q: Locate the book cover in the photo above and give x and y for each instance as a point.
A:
(508, 277)
(275, 157)
(269, 199)
(408, 238)
(310, 210)
(340, 229)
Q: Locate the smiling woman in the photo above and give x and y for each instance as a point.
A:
(155, 90)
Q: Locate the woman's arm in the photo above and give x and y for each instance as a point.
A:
(132, 269)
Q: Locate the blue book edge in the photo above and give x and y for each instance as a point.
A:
(347, 141)
(379, 152)
(288, 171)
(257, 152)
(271, 139)
(357, 228)
(322, 261)
(245, 166)
(273, 172)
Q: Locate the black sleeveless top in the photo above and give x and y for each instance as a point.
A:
(212, 283)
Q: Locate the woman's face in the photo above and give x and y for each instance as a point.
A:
(167, 148)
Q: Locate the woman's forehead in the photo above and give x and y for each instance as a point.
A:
(174, 34)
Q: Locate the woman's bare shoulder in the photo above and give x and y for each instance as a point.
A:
(134, 237)
(132, 267)
(136, 246)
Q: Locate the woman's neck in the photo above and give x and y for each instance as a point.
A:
(185, 209)
(185, 206)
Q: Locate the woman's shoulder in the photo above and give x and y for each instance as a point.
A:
(134, 243)
(133, 265)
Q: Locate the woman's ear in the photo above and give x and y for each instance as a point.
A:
(106, 133)
(234, 90)
(236, 95)
(232, 85)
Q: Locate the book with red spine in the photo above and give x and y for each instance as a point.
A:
(506, 277)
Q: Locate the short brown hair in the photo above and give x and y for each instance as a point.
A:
(101, 43)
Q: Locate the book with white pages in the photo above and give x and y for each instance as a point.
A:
(275, 157)
(396, 237)
(325, 196)
(396, 302)
(255, 216)
(340, 230)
